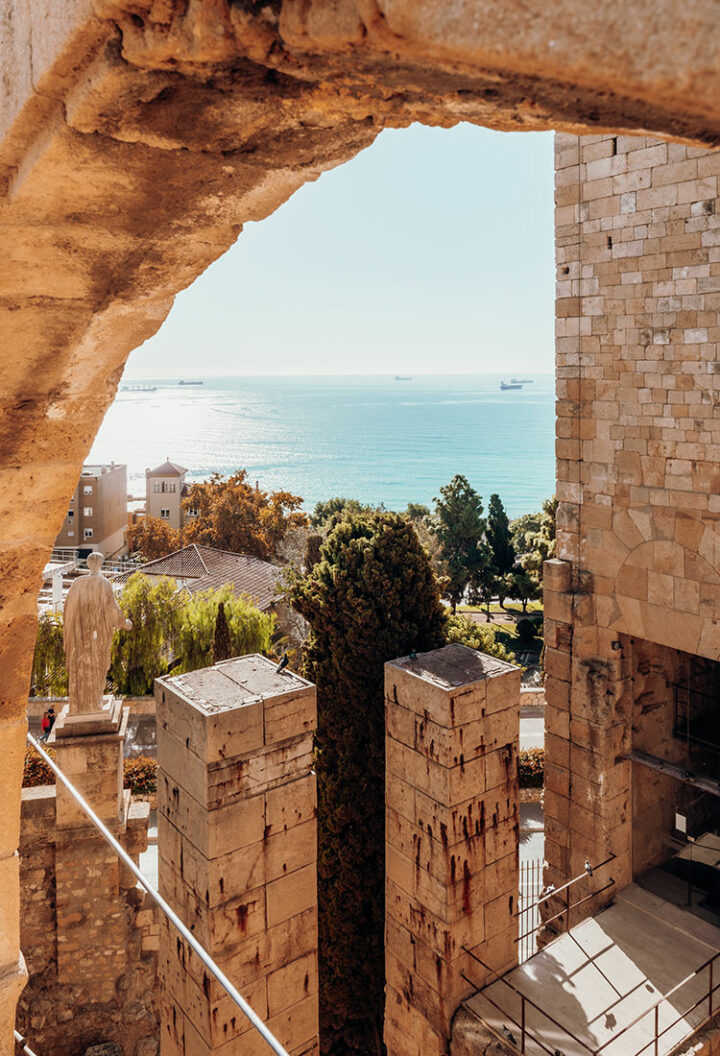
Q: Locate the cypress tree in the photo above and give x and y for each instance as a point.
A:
(371, 598)
(498, 536)
(222, 645)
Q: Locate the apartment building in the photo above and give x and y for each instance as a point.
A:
(96, 517)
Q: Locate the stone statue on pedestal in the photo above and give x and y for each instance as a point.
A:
(90, 616)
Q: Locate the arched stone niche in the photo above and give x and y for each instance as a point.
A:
(666, 574)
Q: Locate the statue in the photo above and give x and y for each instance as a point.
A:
(90, 616)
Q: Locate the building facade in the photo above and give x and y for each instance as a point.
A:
(96, 517)
(164, 490)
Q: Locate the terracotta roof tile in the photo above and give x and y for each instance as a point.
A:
(201, 567)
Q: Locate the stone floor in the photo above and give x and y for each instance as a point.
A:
(607, 971)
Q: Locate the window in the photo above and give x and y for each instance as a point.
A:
(171, 487)
(87, 534)
(167, 486)
(70, 533)
(192, 512)
(165, 514)
(87, 489)
(70, 516)
(157, 486)
(87, 511)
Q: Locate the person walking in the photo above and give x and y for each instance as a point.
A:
(51, 718)
(45, 727)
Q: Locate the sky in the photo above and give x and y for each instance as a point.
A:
(430, 252)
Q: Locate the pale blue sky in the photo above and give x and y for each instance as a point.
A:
(430, 252)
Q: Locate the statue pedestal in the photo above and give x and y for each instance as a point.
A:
(89, 750)
(106, 720)
(90, 902)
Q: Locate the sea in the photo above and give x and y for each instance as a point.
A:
(379, 439)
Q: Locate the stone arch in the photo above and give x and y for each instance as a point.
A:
(137, 136)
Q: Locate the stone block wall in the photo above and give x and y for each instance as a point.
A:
(60, 1017)
(638, 448)
(452, 720)
(237, 837)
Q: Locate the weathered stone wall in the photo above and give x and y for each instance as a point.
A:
(237, 839)
(638, 297)
(63, 1019)
(452, 719)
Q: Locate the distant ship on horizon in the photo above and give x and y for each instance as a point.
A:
(191, 383)
(504, 385)
(403, 377)
(521, 381)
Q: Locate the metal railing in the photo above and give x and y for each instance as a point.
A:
(525, 1033)
(160, 902)
(531, 882)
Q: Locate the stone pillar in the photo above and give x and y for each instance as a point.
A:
(588, 724)
(90, 906)
(452, 720)
(237, 838)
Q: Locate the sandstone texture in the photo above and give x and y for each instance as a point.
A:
(636, 587)
(237, 836)
(451, 833)
(67, 914)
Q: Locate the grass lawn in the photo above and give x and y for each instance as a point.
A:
(512, 608)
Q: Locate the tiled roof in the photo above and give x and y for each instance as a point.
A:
(201, 567)
(167, 469)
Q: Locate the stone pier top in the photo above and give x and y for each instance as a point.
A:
(244, 680)
(453, 666)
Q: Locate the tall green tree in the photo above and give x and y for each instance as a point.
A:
(460, 528)
(371, 597)
(141, 655)
(49, 676)
(541, 543)
(498, 536)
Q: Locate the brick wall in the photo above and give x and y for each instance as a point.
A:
(638, 448)
(62, 1018)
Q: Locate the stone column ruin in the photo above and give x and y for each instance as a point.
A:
(237, 836)
(452, 723)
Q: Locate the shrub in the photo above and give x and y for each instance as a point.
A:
(480, 636)
(140, 775)
(525, 631)
(531, 767)
(36, 771)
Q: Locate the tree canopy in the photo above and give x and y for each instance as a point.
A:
(498, 536)
(460, 528)
(370, 598)
(153, 538)
(328, 512)
(234, 515)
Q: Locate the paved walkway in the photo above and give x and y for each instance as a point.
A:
(602, 976)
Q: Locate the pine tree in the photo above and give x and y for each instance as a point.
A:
(222, 645)
(460, 528)
(371, 598)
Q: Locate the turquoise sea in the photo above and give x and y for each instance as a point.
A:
(373, 438)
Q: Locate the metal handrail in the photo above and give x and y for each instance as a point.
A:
(653, 1010)
(169, 912)
(21, 1041)
(568, 905)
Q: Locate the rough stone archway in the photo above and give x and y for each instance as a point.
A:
(137, 136)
